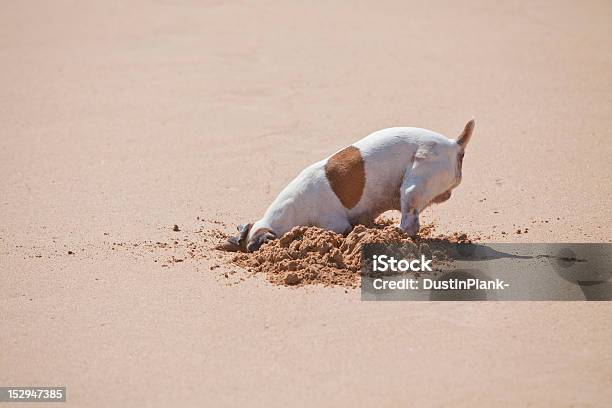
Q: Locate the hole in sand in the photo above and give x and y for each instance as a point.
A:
(311, 255)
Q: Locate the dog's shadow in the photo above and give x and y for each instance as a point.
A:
(471, 251)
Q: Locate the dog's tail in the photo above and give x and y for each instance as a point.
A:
(465, 136)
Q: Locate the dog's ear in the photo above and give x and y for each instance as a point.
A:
(231, 245)
(260, 237)
(243, 229)
(465, 136)
(234, 244)
(270, 235)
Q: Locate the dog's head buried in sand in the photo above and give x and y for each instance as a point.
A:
(402, 168)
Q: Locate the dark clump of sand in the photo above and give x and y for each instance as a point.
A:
(311, 255)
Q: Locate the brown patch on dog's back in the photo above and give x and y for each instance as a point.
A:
(345, 171)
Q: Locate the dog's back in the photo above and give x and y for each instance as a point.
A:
(386, 155)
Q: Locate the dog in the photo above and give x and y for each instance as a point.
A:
(400, 168)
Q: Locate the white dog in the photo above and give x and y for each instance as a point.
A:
(400, 168)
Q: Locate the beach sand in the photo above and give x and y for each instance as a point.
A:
(119, 121)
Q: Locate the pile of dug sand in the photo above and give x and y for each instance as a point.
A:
(311, 255)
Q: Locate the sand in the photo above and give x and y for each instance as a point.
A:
(313, 256)
(120, 121)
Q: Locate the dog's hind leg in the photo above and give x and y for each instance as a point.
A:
(336, 223)
(410, 204)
